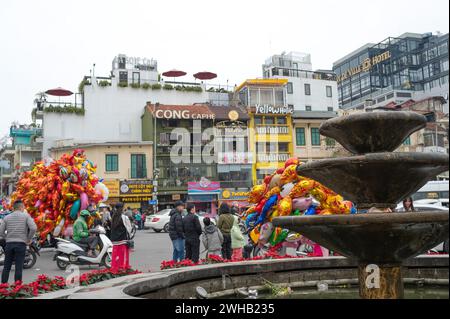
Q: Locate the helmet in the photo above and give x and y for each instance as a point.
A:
(85, 213)
(102, 205)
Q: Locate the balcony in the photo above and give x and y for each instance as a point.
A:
(275, 157)
(272, 130)
(234, 158)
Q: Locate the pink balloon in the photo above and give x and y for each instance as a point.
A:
(38, 203)
(84, 201)
(301, 203)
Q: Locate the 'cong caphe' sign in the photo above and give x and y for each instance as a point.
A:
(183, 115)
(365, 66)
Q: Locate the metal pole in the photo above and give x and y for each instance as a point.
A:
(1, 181)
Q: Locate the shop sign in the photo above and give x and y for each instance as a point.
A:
(365, 66)
(136, 187)
(203, 187)
(270, 109)
(135, 199)
(183, 115)
(113, 187)
(176, 197)
(229, 194)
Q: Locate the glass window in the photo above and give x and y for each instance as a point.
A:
(258, 120)
(279, 97)
(444, 65)
(281, 120)
(290, 89)
(307, 89)
(123, 76)
(308, 107)
(271, 147)
(260, 147)
(275, 71)
(330, 109)
(269, 120)
(283, 147)
(112, 162)
(266, 96)
(315, 136)
(329, 91)
(138, 166)
(407, 141)
(254, 97)
(136, 78)
(300, 136)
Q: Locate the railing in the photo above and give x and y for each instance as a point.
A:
(272, 129)
(276, 157)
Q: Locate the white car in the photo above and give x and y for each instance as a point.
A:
(443, 247)
(160, 221)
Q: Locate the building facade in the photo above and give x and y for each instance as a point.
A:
(411, 66)
(119, 164)
(270, 124)
(306, 90)
(309, 145)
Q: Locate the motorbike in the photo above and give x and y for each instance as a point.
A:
(71, 252)
(31, 254)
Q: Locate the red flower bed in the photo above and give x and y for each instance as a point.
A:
(44, 284)
(214, 259)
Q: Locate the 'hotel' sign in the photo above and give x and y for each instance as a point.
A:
(365, 66)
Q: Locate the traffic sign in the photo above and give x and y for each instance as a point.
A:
(152, 202)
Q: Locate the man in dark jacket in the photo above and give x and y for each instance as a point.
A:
(192, 232)
(225, 223)
(176, 231)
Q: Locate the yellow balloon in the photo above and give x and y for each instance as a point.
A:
(285, 206)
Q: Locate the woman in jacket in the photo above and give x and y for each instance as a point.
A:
(237, 240)
(192, 231)
(212, 238)
(120, 234)
(225, 223)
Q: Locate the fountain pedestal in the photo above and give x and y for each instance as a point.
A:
(380, 281)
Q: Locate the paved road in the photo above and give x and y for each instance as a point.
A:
(150, 249)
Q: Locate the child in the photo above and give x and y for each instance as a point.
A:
(212, 238)
(237, 240)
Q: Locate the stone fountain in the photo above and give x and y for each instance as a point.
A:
(375, 177)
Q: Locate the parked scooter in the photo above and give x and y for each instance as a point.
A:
(31, 254)
(71, 252)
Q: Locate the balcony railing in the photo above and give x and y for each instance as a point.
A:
(272, 130)
(276, 157)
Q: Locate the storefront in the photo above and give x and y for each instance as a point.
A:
(132, 193)
(204, 195)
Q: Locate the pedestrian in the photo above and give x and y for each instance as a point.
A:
(192, 231)
(237, 240)
(129, 213)
(105, 212)
(143, 217)
(137, 218)
(212, 238)
(120, 235)
(408, 205)
(18, 229)
(176, 231)
(225, 223)
(81, 233)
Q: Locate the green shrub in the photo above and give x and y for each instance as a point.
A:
(145, 86)
(135, 85)
(64, 109)
(122, 84)
(168, 87)
(156, 86)
(179, 88)
(82, 84)
(104, 83)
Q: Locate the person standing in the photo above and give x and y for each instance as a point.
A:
(225, 223)
(192, 232)
(120, 234)
(143, 217)
(137, 218)
(106, 218)
(212, 238)
(18, 229)
(176, 231)
(237, 239)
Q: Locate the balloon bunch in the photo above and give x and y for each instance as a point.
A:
(285, 193)
(55, 191)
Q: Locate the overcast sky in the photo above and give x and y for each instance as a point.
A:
(45, 44)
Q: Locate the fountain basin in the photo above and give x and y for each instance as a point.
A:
(379, 179)
(373, 132)
(373, 238)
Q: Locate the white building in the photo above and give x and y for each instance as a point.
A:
(307, 90)
(111, 107)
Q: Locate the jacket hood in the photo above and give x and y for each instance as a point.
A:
(210, 229)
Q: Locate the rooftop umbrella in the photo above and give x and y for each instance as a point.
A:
(205, 75)
(174, 73)
(59, 91)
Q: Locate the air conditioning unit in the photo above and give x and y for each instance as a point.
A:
(368, 103)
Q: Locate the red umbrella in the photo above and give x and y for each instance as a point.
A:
(174, 73)
(59, 91)
(205, 75)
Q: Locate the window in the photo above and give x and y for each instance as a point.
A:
(136, 78)
(300, 136)
(260, 147)
(138, 166)
(258, 120)
(123, 77)
(271, 147)
(283, 147)
(281, 120)
(279, 97)
(308, 107)
(266, 96)
(329, 91)
(330, 109)
(275, 71)
(407, 141)
(315, 136)
(290, 89)
(269, 120)
(307, 89)
(112, 162)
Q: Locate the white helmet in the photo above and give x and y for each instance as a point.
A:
(102, 205)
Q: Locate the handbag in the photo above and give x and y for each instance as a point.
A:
(130, 244)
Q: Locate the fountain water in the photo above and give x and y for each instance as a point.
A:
(375, 177)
